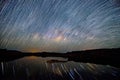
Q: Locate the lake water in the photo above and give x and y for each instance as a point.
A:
(38, 68)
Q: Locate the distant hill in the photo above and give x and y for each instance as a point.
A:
(97, 56)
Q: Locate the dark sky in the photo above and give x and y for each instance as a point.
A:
(59, 25)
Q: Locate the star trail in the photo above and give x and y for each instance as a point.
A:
(59, 25)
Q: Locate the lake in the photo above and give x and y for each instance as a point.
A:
(51, 68)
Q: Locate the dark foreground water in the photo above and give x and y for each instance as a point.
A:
(37, 68)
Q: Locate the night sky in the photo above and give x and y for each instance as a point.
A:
(59, 25)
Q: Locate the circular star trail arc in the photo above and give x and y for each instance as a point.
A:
(59, 25)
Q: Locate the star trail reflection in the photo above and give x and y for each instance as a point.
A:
(66, 25)
(39, 69)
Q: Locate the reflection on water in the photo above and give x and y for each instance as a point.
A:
(37, 68)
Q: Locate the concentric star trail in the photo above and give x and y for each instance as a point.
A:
(59, 25)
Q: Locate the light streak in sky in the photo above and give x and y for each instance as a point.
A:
(66, 25)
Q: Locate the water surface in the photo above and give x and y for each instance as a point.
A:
(38, 68)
